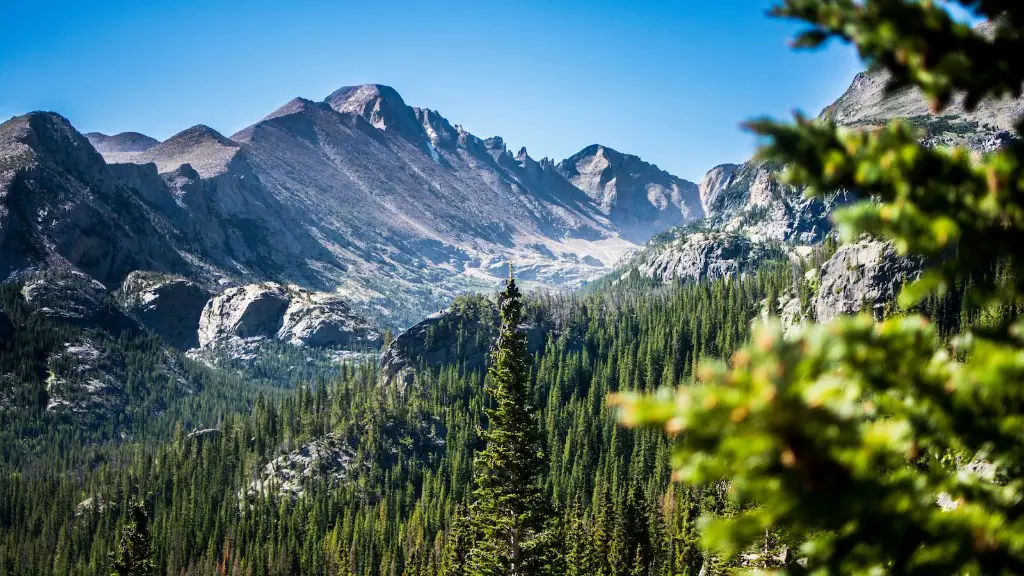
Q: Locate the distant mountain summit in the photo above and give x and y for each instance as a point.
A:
(636, 196)
(123, 143)
(379, 105)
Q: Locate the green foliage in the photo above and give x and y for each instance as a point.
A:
(131, 558)
(846, 436)
(411, 451)
(511, 515)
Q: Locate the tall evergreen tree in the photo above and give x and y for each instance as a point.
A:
(510, 513)
(132, 555)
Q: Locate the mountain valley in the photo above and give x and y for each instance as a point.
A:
(286, 344)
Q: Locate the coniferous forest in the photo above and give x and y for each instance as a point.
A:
(660, 428)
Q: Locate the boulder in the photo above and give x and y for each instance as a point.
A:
(271, 311)
(325, 320)
(250, 311)
(865, 275)
(170, 306)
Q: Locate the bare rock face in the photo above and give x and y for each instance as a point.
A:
(326, 459)
(701, 255)
(790, 314)
(861, 276)
(638, 197)
(61, 205)
(464, 333)
(268, 310)
(64, 293)
(69, 295)
(750, 199)
(321, 319)
(251, 311)
(168, 305)
(714, 182)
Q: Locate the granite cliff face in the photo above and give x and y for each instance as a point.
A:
(690, 255)
(60, 204)
(255, 313)
(748, 199)
(170, 306)
(862, 276)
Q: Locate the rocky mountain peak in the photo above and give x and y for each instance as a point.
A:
(637, 196)
(123, 142)
(294, 106)
(205, 149)
(49, 134)
(714, 183)
(379, 105)
(440, 132)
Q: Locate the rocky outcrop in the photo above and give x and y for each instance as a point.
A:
(701, 255)
(270, 311)
(321, 319)
(750, 200)
(863, 276)
(790, 314)
(170, 306)
(64, 293)
(714, 183)
(463, 334)
(325, 460)
(251, 311)
(61, 205)
(71, 296)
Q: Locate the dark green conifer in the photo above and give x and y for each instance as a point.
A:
(510, 513)
(132, 555)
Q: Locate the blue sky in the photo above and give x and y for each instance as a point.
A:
(669, 81)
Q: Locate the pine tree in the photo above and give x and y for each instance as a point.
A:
(459, 543)
(510, 513)
(132, 555)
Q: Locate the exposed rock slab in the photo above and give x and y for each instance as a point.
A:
(272, 311)
(168, 305)
(701, 255)
(70, 295)
(863, 276)
(325, 460)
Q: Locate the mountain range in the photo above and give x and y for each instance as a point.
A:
(392, 207)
